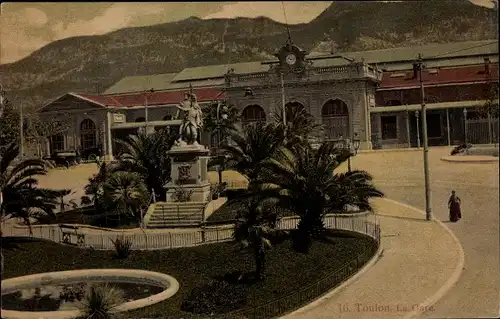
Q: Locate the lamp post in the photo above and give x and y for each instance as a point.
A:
(419, 66)
(465, 130)
(219, 135)
(353, 149)
(418, 128)
(146, 119)
(348, 146)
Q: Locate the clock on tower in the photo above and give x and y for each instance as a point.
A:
(291, 58)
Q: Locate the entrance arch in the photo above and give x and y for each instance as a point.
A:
(88, 134)
(252, 114)
(335, 118)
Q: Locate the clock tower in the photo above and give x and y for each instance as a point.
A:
(291, 58)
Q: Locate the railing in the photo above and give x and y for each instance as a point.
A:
(333, 69)
(300, 298)
(148, 240)
(253, 76)
(482, 131)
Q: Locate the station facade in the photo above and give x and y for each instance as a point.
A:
(371, 95)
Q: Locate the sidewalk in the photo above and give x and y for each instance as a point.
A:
(420, 261)
(470, 159)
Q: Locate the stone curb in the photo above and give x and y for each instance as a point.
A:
(471, 159)
(453, 278)
(403, 149)
(351, 280)
(138, 276)
(390, 150)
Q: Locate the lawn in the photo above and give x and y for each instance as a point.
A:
(286, 270)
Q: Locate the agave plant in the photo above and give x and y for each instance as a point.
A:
(99, 301)
(123, 247)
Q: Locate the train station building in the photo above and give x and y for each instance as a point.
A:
(373, 95)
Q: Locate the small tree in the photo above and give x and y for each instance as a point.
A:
(255, 223)
(491, 105)
(40, 127)
(9, 123)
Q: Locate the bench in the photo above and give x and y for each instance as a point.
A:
(68, 231)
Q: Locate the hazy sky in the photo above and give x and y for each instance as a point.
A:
(26, 27)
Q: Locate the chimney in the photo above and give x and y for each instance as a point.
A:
(487, 66)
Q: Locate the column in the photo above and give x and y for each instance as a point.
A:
(448, 126)
(109, 137)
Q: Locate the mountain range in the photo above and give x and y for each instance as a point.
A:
(92, 63)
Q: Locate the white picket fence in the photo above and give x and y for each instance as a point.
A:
(152, 240)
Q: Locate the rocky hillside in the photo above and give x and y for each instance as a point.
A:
(82, 64)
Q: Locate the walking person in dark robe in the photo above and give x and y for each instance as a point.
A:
(454, 207)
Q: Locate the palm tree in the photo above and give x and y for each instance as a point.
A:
(255, 221)
(94, 190)
(300, 128)
(304, 181)
(125, 192)
(99, 301)
(220, 119)
(225, 126)
(22, 198)
(147, 156)
(19, 191)
(252, 146)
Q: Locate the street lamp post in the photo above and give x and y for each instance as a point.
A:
(465, 130)
(348, 146)
(420, 66)
(219, 135)
(355, 147)
(418, 129)
(146, 115)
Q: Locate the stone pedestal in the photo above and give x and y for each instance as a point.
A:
(189, 172)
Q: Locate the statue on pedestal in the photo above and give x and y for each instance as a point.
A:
(192, 122)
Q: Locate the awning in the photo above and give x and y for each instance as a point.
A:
(430, 106)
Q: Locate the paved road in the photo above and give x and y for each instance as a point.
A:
(400, 176)
(399, 282)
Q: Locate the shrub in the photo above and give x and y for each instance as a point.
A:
(218, 296)
(123, 247)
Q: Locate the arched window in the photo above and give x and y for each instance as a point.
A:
(251, 114)
(140, 119)
(88, 134)
(335, 117)
(291, 109)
